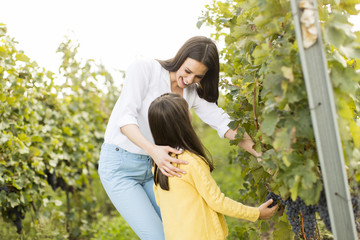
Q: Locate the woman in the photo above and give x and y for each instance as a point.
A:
(192, 207)
(128, 150)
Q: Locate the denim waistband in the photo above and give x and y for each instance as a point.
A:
(113, 147)
(108, 146)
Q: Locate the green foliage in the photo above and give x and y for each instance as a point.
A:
(113, 228)
(51, 134)
(266, 94)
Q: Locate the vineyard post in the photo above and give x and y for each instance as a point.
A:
(324, 120)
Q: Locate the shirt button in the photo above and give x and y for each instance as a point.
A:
(117, 149)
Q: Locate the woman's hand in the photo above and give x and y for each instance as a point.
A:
(259, 157)
(246, 143)
(160, 154)
(161, 157)
(265, 212)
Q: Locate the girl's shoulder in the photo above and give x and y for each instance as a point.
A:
(191, 158)
(186, 154)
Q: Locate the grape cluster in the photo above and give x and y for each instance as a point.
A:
(292, 212)
(300, 216)
(297, 209)
(5, 188)
(309, 218)
(356, 206)
(15, 215)
(276, 199)
(51, 178)
(55, 182)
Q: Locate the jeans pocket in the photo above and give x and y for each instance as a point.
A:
(110, 161)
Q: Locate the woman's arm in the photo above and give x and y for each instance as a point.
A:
(160, 154)
(127, 109)
(216, 117)
(246, 143)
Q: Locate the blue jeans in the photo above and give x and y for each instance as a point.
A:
(128, 181)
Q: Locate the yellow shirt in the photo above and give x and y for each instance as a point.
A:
(193, 208)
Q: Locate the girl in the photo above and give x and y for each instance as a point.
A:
(192, 207)
(128, 151)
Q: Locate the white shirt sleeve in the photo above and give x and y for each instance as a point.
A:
(134, 89)
(213, 115)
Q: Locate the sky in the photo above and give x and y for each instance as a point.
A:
(113, 32)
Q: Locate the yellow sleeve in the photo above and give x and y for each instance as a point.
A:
(213, 196)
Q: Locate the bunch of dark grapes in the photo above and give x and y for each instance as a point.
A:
(51, 179)
(356, 208)
(295, 210)
(13, 214)
(16, 216)
(292, 212)
(55, 182)
(5, 188)
(60, 182)
(355, 204)
(309, 218)
(276, 199)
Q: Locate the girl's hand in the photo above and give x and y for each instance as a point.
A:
(265, 212)
(161, 157)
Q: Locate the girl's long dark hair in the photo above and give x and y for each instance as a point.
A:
(170, 125)
(204, 50)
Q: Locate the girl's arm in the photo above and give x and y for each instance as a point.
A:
(211, 193)
(160, 154)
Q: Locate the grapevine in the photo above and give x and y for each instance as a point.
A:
(302, 217)
(266, 97)
(51, 134)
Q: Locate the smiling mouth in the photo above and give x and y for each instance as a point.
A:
(182, 80)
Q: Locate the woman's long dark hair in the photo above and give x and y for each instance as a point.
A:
(170, 125)
(204, 50)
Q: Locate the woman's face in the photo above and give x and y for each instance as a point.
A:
(190, 72)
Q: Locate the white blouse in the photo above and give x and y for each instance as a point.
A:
(145, 80)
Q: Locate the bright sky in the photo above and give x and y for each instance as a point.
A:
(114, 32)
